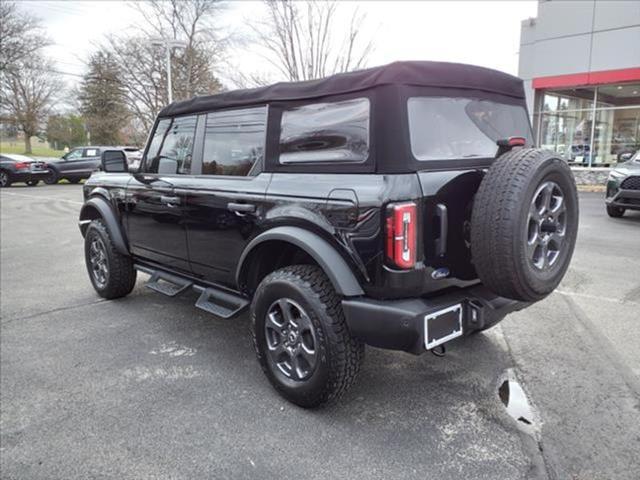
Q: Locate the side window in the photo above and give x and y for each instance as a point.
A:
(171, 146)
(234, 141)
(326, 132)
(74, 154)
(91, 152)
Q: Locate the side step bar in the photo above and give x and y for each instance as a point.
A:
(167, 284)
(218, 301)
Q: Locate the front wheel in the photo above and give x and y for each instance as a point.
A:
(301, 338)
(615, 212)
(111, 273)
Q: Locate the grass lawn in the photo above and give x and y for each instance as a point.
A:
(38, 150)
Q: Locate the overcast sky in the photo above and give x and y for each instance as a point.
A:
(476, 32)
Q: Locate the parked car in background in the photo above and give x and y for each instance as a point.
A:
(81, 162)
(76, 165)
(623, 187)
(18, 168)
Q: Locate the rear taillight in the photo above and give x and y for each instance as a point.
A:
(401, 241)
(21, 165)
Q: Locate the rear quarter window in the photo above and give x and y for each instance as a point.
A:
(326, 133)
(445, 128)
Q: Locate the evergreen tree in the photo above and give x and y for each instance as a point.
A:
(103, 101)
(65, 131)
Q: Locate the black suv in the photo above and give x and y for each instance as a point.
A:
(400, 206)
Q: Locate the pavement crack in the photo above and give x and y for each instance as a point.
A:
(53, 310)
(532, 444)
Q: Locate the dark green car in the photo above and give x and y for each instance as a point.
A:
(623, 187)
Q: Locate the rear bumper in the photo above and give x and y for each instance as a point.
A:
(399, 324)
(28, 175)
(625, 198)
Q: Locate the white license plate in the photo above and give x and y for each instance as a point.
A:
(442, 326)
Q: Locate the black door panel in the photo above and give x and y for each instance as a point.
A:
(156, 206)
(222, 216)
(155, 224)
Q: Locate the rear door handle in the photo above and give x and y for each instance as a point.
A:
(241, 207)
(170, 201)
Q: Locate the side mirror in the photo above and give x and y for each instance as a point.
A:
(114, 161)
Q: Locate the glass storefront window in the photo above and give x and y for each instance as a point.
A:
(565, 123)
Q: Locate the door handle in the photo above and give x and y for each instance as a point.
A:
(241, 208)
(170, 201)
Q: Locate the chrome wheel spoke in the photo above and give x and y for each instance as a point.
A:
(285, 308)
(547, 194)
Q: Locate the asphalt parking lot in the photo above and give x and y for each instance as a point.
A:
(151, 387)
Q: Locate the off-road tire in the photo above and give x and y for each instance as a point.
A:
(501, 218)
(615, 212)
(122, 276)
(340, 355)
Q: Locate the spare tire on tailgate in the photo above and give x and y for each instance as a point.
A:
(524, 224)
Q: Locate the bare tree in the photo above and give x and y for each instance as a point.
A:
(302, 39)
(195, 23)
(29, 91)
(21, 35)
(141, 65)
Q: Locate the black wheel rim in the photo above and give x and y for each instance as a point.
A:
(546, 226)
(98, 261)
(292, 347)
(3, 179)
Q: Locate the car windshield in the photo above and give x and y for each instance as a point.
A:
(443, 128)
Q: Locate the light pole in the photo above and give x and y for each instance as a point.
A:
(168, 44)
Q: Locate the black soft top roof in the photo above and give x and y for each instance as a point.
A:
(426, 74)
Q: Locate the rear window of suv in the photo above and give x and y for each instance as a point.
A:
(445, 128)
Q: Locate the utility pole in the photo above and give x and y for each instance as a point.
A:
(168, 44)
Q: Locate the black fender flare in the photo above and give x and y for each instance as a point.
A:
(109, 217)
(336, 268)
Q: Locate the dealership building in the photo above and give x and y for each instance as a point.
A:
(580, 61)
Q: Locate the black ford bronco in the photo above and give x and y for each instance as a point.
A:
(400, 206)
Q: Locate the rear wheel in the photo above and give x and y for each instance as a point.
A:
(615, 212)
(301, 337)
(112, 274)
(52, 178)
(5, 179)
(524, 224)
